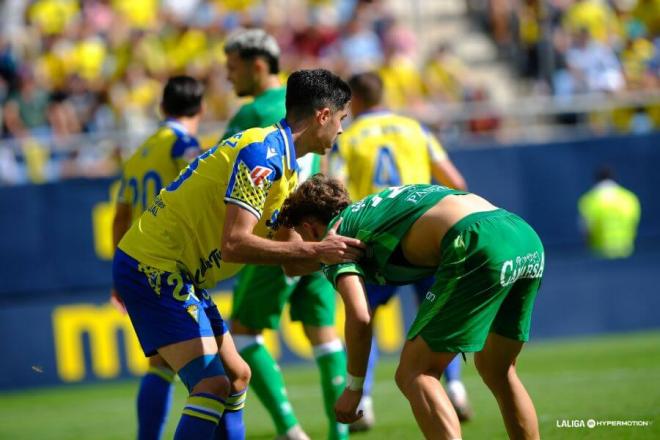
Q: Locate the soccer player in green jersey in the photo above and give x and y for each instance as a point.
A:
(488, 265)
(381, 149)
(262, 291)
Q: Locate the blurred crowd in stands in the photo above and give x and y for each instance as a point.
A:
(72, 71)
(574, 47)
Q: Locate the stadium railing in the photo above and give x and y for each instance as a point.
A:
(459, 125)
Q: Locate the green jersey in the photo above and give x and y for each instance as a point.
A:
(381, 221)
(267, 109)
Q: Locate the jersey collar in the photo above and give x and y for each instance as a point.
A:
(289, 148)
(175, 125)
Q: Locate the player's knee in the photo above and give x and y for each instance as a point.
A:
(493, 374)
(158, 362)
(219, 386)
(403, 378)
(200, 371)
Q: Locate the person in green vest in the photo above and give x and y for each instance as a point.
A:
(261, 292)
(610, 215)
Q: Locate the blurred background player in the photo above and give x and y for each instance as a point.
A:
(205, 225)
(610, 215)
(381, 149)
(154, 164)
(262, 291)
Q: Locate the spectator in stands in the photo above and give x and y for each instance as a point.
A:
(26, 110)
(359, 48)
(594, 16)
(445, 76)
(610, 215)
(591, 66)
(404, 87)
(648, 12)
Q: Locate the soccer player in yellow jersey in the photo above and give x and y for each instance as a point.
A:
(154, 164)
(381, 149)
(215, 217)
(261, 292)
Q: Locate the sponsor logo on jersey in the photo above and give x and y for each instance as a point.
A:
(214, 259)
(523, 266)
(272, 152)
(259, 174)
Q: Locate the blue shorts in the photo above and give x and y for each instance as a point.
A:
(164, 307)
(378, 295)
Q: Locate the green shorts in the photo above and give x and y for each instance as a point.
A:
(262, 291)
(490, 270)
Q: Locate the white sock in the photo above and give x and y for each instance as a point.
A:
(327, 347)
(456, 391)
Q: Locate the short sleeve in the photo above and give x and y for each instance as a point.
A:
(334, 271)
(256, 167)
(436, 152)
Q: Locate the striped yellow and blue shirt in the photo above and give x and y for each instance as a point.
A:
(155, 164)
(182, 230)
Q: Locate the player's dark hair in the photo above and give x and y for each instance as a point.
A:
(255, 43)
(311, 90)
(320, 197)
(182, 96)
(368, 86)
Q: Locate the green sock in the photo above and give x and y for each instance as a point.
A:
(268, 384)
(331, 360)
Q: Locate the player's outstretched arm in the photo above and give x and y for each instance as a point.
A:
(448, 175)
(241, 245)
(358, 333)
(300, 268)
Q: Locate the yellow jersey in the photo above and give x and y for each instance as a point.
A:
(381, 149)
(182, 230)
(154, 164)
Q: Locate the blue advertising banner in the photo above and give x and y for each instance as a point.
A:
(56, 325)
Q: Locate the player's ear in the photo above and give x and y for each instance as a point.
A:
(323, 115)
(259, 65)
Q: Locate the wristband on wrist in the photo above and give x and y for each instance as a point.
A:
(354, 383)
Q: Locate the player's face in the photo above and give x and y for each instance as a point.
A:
(330, 126)
(310, 229)
(240, 73)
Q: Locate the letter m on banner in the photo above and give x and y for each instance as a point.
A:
(103, 324)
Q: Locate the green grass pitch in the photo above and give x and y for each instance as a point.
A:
(602, 378)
